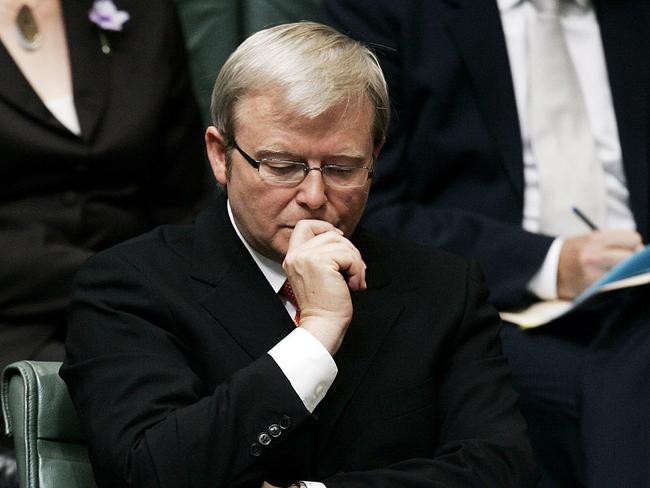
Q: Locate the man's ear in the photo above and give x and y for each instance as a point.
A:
(215, 146)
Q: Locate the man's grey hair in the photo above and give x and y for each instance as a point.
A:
(312, 66)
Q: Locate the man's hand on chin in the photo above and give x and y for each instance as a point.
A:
(322, 267)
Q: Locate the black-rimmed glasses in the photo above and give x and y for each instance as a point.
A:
(291, 173)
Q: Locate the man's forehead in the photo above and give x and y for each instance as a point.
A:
(267, 108)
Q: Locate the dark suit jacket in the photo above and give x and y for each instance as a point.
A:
(167, 366)
(138, 163)
(451, 173)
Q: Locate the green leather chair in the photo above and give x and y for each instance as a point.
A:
(49, 440)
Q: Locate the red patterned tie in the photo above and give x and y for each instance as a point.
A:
(287, 292)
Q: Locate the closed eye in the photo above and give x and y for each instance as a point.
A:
(280, 167)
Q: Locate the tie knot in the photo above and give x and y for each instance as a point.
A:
(287, 292)
(548, 6)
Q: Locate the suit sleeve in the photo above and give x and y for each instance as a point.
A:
(150, 420)
(482, 436)
(509, 255)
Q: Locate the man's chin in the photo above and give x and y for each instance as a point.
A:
(277, 252)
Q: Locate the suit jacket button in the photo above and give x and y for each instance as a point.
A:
(256, 449)
(264, 439)
(285, 422)
(275, 430)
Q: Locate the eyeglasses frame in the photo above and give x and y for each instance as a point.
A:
(306, 168)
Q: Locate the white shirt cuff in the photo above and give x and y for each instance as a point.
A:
(314, 484)
(308, 366)
(544, 283)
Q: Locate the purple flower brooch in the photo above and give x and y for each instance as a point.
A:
(108, 18)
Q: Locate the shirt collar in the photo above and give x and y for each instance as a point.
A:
(505, 5)
(272, 271)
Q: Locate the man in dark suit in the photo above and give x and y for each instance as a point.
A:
(460, 170)
(184, 362)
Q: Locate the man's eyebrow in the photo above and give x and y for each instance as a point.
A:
(276, 151)
(279, 153)
(347, 156)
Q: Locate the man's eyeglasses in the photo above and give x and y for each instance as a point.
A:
(291, 173)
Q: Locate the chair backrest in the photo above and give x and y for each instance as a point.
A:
(214, 28)
(49, 441)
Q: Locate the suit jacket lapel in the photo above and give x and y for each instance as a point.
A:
(375, 312)
(17, 92)
(625, 43)
(90, 67)
(476, 28)
(240, 299)
(89, 74)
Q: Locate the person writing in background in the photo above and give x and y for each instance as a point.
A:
(508, 114)
(273, 343)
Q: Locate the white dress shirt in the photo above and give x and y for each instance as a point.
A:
(63, 109)
(305, 362)
(582, 35)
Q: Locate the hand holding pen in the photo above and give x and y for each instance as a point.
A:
(587, 257)
(584, 218)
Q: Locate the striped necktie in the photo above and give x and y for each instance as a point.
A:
(287, 292)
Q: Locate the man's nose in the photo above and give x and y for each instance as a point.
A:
(312, 190)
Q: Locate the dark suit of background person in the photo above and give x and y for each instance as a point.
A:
(188, 340)
(138, 162)
(451, 174)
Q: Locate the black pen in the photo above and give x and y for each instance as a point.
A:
(584, 218)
